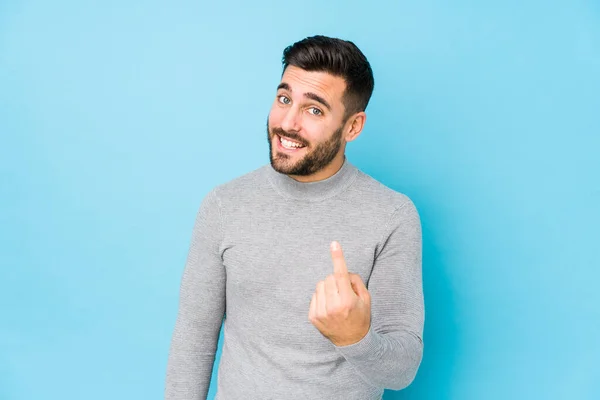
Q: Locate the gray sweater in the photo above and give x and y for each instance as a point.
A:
(259, 246)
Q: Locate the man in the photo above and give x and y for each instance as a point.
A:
(305, 318)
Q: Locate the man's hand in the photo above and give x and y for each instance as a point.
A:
(341, 305)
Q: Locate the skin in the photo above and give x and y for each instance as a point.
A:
(308, 108)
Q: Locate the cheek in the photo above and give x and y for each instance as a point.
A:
(315, 132)
(275, 116)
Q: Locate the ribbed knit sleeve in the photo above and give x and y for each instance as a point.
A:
(201, 308)
(391, 352)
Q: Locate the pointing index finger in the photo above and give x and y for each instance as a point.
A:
(340, 269)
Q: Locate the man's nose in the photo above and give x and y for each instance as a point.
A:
(291, 121)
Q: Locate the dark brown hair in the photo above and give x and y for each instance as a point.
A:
(337, 57)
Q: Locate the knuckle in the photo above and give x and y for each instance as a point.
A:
(329, 312)
(335, 309)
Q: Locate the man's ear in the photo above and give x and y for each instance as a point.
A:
(355, 125)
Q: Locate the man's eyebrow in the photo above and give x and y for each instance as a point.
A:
(284, 86)
(318, 98)
(309, 95)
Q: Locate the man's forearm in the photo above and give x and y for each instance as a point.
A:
(189, 367)
(388, 360)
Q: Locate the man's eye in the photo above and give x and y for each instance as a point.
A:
(284, 100)
(315, 111)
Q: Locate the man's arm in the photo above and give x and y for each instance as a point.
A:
(201, 309)
(391, 352)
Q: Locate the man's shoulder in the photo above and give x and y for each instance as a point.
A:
(380, 194)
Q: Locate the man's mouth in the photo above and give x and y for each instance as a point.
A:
(288, 144)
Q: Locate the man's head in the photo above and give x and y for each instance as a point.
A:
(320, 103)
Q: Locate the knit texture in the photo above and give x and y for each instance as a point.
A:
(259, 245)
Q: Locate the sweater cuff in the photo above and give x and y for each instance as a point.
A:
(363, 349)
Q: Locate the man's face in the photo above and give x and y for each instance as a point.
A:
(307, 110)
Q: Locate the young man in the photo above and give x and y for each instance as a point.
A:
(305, 318)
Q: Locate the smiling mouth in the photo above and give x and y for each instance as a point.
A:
(288, 144)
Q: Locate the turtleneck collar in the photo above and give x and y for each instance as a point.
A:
(313, 191)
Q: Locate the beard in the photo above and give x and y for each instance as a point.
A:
(314, 160)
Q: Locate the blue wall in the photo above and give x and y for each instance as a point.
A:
(117, 117)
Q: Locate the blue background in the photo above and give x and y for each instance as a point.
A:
(117, 117)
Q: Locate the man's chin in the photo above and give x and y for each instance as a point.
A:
(282, 166)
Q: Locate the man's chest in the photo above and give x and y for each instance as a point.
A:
(282, 257)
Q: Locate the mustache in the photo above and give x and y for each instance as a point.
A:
(289, 135)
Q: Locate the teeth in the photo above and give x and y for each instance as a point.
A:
(289, 144)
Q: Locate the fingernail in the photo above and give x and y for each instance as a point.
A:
(334, 245)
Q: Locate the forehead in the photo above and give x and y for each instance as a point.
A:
(300, 81)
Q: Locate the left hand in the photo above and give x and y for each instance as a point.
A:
(341, 305)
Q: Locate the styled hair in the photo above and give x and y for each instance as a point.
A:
(337, 57)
